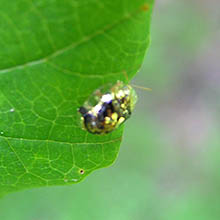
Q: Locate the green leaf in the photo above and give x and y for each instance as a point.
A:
(53, 55)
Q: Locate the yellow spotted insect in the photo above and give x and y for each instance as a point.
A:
(108, 107)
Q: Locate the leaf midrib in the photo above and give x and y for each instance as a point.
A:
(73, 45)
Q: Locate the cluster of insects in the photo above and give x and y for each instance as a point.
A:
(108, 107)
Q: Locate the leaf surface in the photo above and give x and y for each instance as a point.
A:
(53, 55)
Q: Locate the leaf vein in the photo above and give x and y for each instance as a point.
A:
(71, 46)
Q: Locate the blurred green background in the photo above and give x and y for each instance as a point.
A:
(169, 164)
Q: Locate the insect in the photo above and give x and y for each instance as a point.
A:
(108, 108)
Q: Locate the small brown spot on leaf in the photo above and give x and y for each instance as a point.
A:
(145, 7)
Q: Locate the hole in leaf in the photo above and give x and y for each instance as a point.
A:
(81, 171)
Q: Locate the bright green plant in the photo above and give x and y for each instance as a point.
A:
(53, 55)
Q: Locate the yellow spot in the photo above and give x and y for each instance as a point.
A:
(107, 120)
(115, 116)
(123, 105)
(120, 94)
(121, 120)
